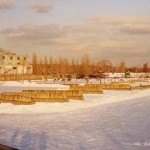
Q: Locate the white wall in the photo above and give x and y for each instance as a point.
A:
(20, 69)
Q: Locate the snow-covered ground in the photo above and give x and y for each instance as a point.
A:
(132, 74)
(115, 120)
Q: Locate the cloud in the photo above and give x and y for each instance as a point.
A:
(97, 29)
(40, 7)
(104, 37)
(6, 4)
(136, 29)
(119, 20)
(127, 24)
(33, 32)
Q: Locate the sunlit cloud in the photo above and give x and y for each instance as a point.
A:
(136, 29)
(40, 7)
(106, 37)
(6, 4)
(34, 33)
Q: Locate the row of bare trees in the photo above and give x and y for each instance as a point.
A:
(62, 66)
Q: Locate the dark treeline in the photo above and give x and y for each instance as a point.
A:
(62, 66)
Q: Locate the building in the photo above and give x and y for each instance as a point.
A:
(122, 67)
(13, 64)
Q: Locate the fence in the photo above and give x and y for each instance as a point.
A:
(23, 77)
(32, 96)
(116, 86)
(15, 98)
(70, 94)
(88, 88)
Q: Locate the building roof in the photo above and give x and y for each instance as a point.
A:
(6, 52)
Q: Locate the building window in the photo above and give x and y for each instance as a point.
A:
(14, 68)
(18, 58)
(3, 57)
(25, 58)
(11, 58)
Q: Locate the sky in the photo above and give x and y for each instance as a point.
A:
(116, 30)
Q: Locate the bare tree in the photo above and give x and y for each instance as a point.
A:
(85, 64)
(35, 63)
(45, 65)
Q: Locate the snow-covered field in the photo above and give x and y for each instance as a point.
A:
(115, 120)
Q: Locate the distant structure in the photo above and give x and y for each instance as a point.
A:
(145, 67)
(13, 64)
(104, 66)
(122, 67)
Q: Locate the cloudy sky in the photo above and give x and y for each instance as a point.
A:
(107, 29)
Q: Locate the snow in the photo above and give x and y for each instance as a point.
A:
(27, 84)
(140, 83)
(115, 120)
(14, 86)
(91, 100)
(142, 144)
(133, 75)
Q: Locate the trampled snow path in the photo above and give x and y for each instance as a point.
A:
(113, 121)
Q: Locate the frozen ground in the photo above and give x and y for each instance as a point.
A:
(115, 120)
